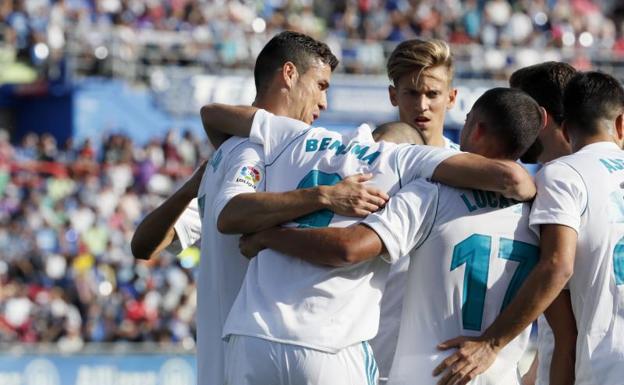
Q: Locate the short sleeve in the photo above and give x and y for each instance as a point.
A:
(274, 132)
(407, 218)
(418, 161)
(561, 197)
(245, 174)
(187, 228)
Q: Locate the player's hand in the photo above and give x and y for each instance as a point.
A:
(351, 197)
(250, 245)
(191, 186)
(473, 357)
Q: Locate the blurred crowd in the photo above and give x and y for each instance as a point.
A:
(229, 33)
(67, 214)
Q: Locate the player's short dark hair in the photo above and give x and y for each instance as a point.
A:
(289, 46)
(545, 82)
(512, 117)
(589, 98)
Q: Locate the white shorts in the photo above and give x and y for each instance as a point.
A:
(255, 361)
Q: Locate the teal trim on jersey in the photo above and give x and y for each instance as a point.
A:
(371, 365)
(586, 189)
(618, 262)
(288, 145)
(321, 218)
(216, 160)
(473, 251)
(375, 371)
(201, 203)
(526, 255)
(367, 364)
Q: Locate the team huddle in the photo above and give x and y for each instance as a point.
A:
(394, 255)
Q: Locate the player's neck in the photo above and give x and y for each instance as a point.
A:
(554, 143)
(436, 140)
(580, 142)
(272, 104)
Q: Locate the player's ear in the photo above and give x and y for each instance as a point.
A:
(619, 129)
(478, 132)
(452, 98)
(289, 74)
(545, 117)
(564, 131)
(392, 93)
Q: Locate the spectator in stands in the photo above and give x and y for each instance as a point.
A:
(66, 271)
(228, 33)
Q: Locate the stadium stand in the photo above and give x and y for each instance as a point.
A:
(67, 214)
(123, 37)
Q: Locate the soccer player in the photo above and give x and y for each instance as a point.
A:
(545, 82)
(467, 260)
(578, 213)
(297, 322)
(581, 206)
(292, 75)
(421, 72)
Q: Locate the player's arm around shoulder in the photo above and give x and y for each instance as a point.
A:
(468, 170)
(253, 212)
(334, 247)
(221, 121)
(392, 231)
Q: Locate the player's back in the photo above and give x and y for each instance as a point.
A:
(289, 300)
(478, 252)
(597, 285)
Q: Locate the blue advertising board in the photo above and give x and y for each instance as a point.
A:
(98, 369)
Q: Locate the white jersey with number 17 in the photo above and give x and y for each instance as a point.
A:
(469, 252)
(284, 299)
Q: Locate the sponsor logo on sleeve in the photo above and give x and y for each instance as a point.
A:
(250, 176)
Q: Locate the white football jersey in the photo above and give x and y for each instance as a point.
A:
(470, 251)
(289, 300)
(584, 191)
(385, 342)
(236, 167)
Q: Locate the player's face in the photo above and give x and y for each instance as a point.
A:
(308, 95)
(423, 101)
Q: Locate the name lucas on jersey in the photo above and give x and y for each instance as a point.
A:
(482, 199)
(328, 144)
